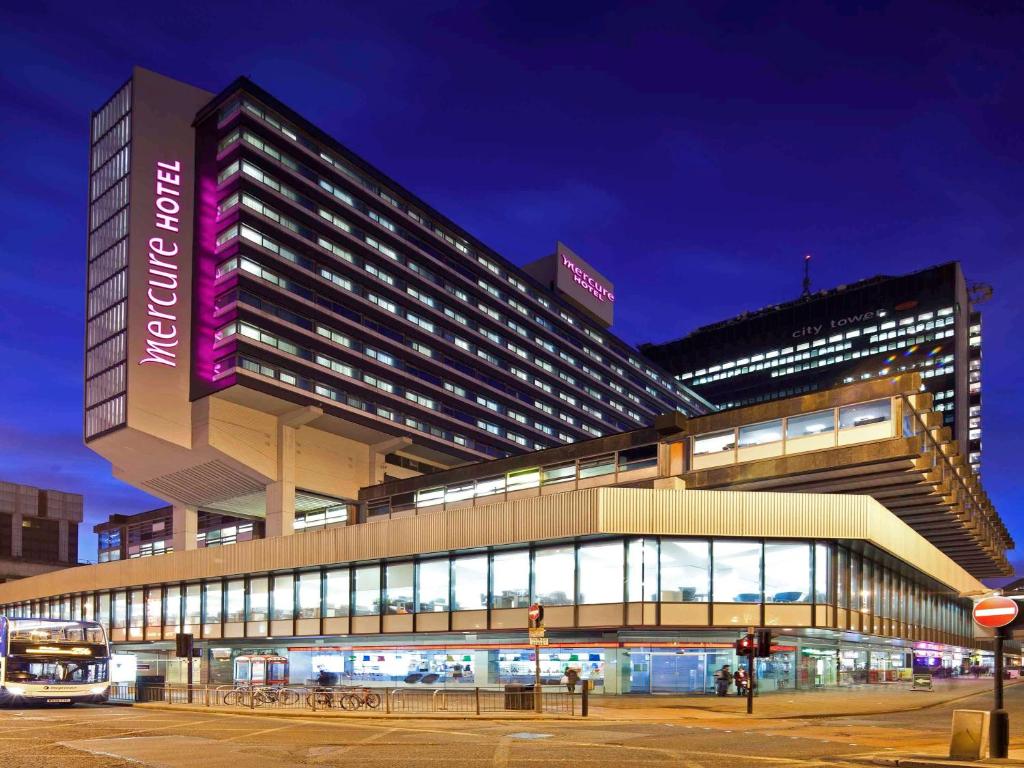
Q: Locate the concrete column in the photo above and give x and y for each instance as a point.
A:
(377, 453)
(16, 547)
(280, 505)
(62, 543)
(185, 526)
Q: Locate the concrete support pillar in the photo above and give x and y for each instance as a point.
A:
(377, 453)
(185, 526)
(280, 508)
(16, 526)
(62, 543)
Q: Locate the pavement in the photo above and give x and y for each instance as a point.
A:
(789, 730)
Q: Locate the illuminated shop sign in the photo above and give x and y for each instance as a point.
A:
(591, 284)
(162, 278)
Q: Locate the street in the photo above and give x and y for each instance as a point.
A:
(124, 736)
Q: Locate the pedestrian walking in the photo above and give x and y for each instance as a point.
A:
(741, 681)
(723, 678)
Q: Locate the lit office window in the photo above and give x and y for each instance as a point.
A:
(737, 571)
(172, 605)
(283, 596)
(469, 575)
(367, 593)
(257, 598)
(433, 583)
(309, 596)
(642, 570)
(212, 593)
(554, 573)
(760, 434)
(714, 442)
(865, 413)
(822, 563)
(398, 588)
(154, 604)
(137, 616)
(787, 573)
(685, 571)
(807, 424)
(601, 573)
(511, 579)
(235, 601)
(336, 589)
(193, 604)
(119, 609)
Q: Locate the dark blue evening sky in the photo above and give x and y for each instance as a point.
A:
(690, 151)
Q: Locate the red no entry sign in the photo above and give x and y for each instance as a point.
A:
(994, 612)
(536, 612)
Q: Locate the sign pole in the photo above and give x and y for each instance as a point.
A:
(750, 682)
(997, 613)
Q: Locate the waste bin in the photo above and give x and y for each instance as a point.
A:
(149, 688)
(518, 696)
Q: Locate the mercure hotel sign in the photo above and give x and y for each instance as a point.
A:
(589, 283)
(162, 278)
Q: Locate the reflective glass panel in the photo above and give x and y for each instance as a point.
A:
(685, 571)
(433, 586)
(511, 579)
(602, 572)
(554, 573)
(469, 575)
(737, 577)
(787, 572)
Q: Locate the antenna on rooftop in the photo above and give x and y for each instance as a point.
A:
(807, 274)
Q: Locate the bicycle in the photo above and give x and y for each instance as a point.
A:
(361, 698)
(275, 695)
(322, 698)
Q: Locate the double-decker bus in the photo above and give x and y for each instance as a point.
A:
(47, 661)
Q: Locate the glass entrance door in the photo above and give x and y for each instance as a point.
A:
(677, 672)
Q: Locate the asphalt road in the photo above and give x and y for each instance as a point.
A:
(121, 736)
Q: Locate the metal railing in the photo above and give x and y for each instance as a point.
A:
(554, 700)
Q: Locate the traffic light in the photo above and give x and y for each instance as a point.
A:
(764, 643)
(183, 645)
(745, 645)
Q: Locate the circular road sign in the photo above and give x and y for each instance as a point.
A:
(536, 612)
(994, 612)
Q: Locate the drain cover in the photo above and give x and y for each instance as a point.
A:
(527, 735)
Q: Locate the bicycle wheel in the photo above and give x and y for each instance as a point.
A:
(372, 700)
(262, 696)
(350, 701)
(232, 698)
(287, 697)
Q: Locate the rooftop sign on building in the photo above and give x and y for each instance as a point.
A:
(577, 282)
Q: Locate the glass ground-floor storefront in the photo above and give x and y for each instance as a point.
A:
(610, 662)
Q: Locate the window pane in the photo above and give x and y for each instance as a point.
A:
(137, 609)
(602, 573)
(257, 599)
(119, 610)
(309, 595)
(193, 604)
(843, 579)
(102, 612)
(822, 562)
(367, 590)
(815, 423)
(336, 587)
(554, 573)
(433, 586)
(737, 571)
(172, 606)
(399, 588)
(642, 570)
(787, 573)
(685, 571)
(511, 579)
(154, 604)
(236, 601)
(284, 596)
(469, 574)
(864, 414)
(212, 602)
(714, 442)
(760, 434)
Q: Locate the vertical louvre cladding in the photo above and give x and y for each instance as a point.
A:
(107, 270)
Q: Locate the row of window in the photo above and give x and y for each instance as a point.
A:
(459, 244)
(777, 357)
(435, 307)
(654, 569)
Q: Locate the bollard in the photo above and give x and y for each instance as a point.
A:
(999, 733)
(387, 700)
(477, 692)
(585, 701)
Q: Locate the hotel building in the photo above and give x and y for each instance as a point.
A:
(926, 321)
(270, 318)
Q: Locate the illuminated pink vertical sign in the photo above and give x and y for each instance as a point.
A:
(162, 277)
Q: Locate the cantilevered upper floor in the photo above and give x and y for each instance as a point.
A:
(878, 438)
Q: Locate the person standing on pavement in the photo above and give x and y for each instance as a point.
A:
(741, 681)
(572, 676)
(722, 679)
